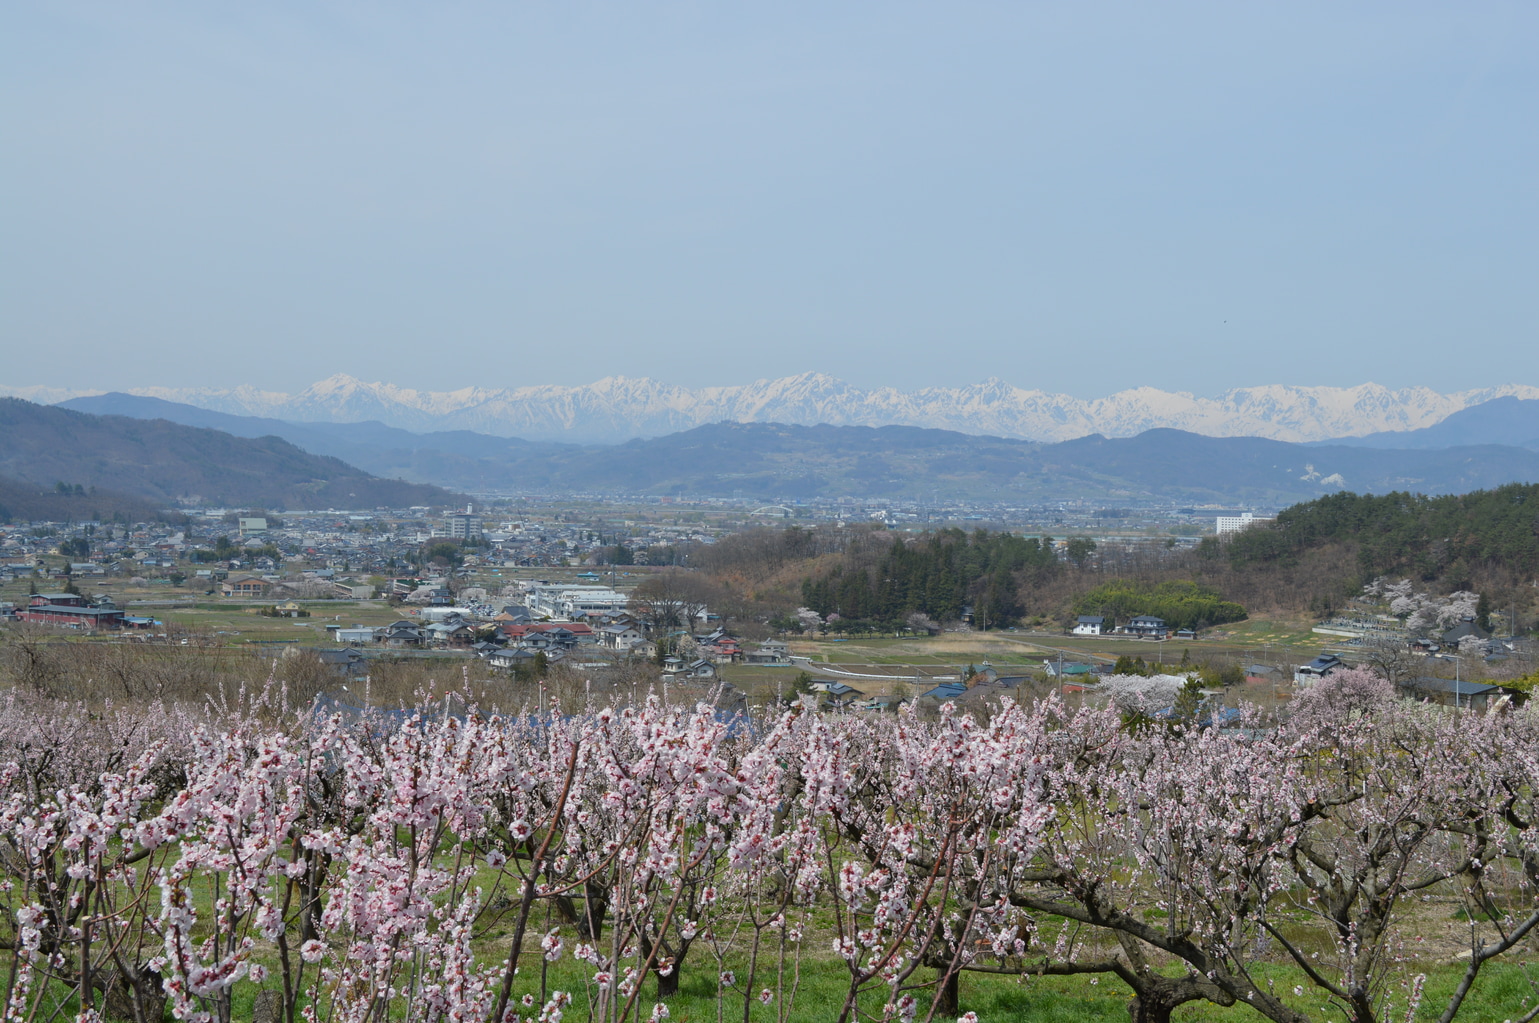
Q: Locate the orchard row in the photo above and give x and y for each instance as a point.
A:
(435, 867)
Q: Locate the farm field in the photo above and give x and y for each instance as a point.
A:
(951, 650)
(238, 624)
(915, 663)
(1279, 642)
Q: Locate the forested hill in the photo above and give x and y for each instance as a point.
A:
(29, 502)
(999, 577)
(166, 463)
(1313, 557)
(1448, 538)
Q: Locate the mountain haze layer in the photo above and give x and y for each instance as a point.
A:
(1508, 420)
(617, 409)
(770, 460)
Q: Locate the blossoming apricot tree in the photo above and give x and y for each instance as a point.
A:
(442, 867)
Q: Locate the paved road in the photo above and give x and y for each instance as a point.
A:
(893, 676)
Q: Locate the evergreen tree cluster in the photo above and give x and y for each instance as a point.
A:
(1428, 538)
(76, 547)
(939, 575)
(1183, 605)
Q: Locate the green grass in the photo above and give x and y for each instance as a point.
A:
(1502, 992)
(1499, 994)
(1463, 914)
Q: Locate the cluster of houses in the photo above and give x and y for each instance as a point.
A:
(977, 690)
(716, 648)
(510, 635)
(840, 697)
(1140, 626)
(1467, 635)
(128, 549)
(1454, 692)
(511, 630)
(259, 555)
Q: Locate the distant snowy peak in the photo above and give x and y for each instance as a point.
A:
(619, 408)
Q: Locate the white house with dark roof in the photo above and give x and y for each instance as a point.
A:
(1317, 669)
(619, 637)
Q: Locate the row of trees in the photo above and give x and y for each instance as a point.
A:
(434, 867)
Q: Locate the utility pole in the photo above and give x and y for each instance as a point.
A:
(1458, 660)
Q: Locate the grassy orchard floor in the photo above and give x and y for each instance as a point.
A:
(1434, 930)
(1502, 991)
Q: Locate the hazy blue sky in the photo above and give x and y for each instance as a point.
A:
(1074, 196)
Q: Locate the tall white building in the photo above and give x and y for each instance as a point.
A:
(460, 526)
(1236, 523)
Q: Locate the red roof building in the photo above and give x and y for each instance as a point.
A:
(71, 610)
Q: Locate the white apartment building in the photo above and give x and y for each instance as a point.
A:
(570, 600)
(1236, 523)
(459, 526)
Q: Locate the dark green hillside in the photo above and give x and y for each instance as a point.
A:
(1430, 538)
(166, 463)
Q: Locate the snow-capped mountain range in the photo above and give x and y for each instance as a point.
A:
(619, 408)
